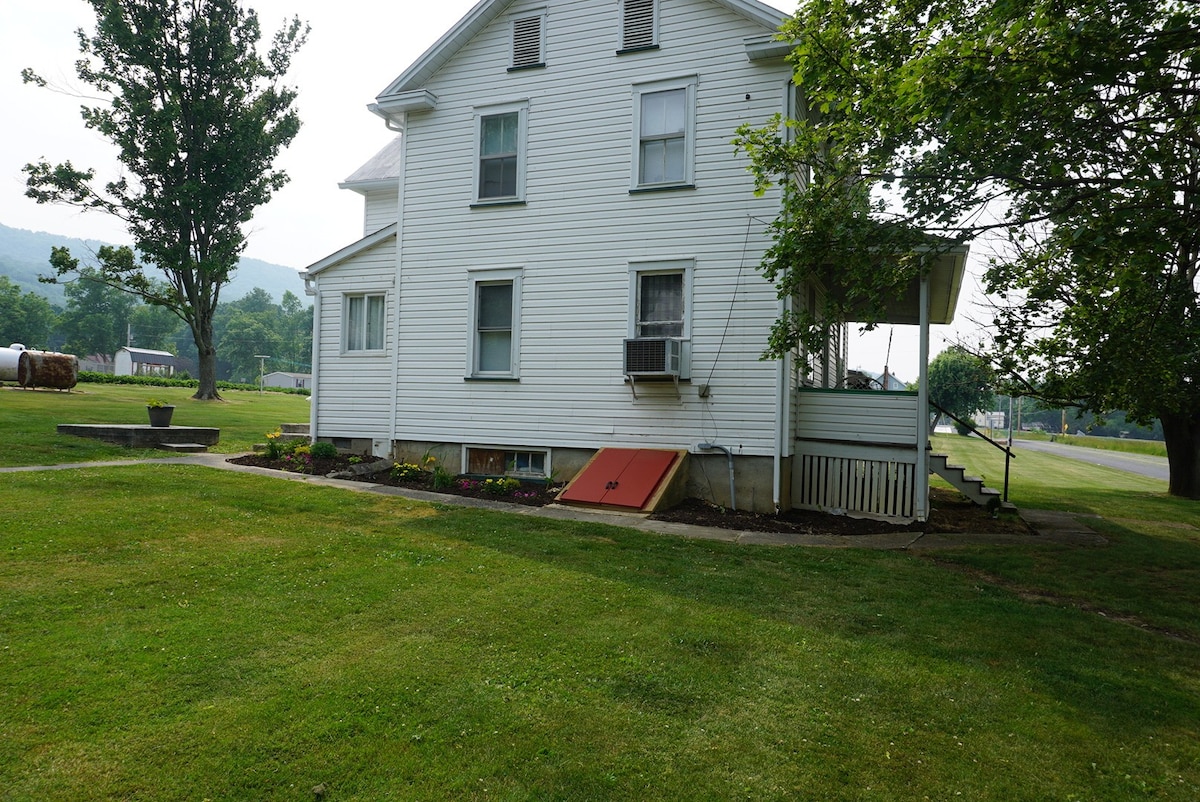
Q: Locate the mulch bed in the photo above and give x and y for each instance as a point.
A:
(951, 511)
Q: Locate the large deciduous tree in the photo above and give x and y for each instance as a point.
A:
(961, 384)
(1070, 128)
(25, 318)
(198, 113)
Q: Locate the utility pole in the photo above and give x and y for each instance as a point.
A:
(262, 363)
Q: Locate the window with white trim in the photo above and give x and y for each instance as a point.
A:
(500, 153)
(495, 308)
(639, 24)
(528, 37)
(500, 461)
(363, 322)
(660, 299)
(664, 134)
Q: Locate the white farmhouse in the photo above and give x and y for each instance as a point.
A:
(560, 256)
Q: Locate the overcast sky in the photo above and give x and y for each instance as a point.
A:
(355, 49)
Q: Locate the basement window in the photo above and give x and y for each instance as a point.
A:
(525, 464)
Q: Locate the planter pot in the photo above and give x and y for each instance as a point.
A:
(161, 416)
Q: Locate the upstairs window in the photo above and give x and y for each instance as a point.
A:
(527, 36)
(500, 164)
(498, 156)
(639, 25)
(665, 130)
(363, 323)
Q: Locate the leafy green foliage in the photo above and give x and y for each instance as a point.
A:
(323, 450)
(198, 115)
(97, 317)
(960, 383)
(25, 318)
(1068, 130)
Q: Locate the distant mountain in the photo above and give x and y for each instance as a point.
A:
(26, 254)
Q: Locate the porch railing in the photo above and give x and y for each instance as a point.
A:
(1009, 456)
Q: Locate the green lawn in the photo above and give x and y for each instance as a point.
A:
(28, 419)
(174, 632)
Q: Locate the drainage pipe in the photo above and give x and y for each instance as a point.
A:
(729, 458)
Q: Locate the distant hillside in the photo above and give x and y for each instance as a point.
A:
(26, 254)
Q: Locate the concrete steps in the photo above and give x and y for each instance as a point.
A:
(970, 486)
(184, 448)
(294, 431)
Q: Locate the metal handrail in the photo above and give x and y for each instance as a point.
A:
(1009, 455)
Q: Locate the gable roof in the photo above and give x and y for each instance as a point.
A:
(336, 258)
(382, 171)
(407, 92)
(148, 356)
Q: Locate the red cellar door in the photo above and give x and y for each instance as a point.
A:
(622, 477)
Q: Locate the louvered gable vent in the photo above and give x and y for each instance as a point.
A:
(637, 24)
(527, 42)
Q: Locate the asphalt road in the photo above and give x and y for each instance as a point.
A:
(1154, 467)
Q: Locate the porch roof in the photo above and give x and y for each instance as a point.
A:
(945, 282)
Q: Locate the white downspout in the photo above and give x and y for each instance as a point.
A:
(782, 429)
(922, 500)
(395, 332)
(310, 289)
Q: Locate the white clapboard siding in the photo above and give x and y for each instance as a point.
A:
(379, 209)
(574, 240)
(857, 416)
(354, 391)
(856, 452)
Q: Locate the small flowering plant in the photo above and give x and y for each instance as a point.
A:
(406, 471)
(275, 444)
(299, 460)
(501, 487)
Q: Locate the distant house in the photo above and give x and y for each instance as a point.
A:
(281, 378)
(143, 362)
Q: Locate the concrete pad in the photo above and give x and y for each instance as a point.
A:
(141, 435)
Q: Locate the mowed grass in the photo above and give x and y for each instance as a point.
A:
(176, 632)
(1150, 568)
(29, 419)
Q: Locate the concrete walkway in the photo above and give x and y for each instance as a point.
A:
(1051, 527)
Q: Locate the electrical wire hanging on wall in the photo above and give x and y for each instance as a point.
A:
(725, 331)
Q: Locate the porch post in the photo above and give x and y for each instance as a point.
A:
(922, 500)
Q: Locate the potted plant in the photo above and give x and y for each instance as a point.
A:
(160, 412)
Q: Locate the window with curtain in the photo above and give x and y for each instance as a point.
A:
(660, 304)
(364, 321)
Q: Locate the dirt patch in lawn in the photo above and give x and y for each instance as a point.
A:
(951, 512)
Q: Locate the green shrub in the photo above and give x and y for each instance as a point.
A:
(442, 478)
(323, 450)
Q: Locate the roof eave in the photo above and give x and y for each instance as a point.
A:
(337, 257)
(363, 187)
(767, 47)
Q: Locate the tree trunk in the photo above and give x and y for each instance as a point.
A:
(1182, 433)
(207, 353)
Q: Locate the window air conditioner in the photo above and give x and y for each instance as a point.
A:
(652, 356)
